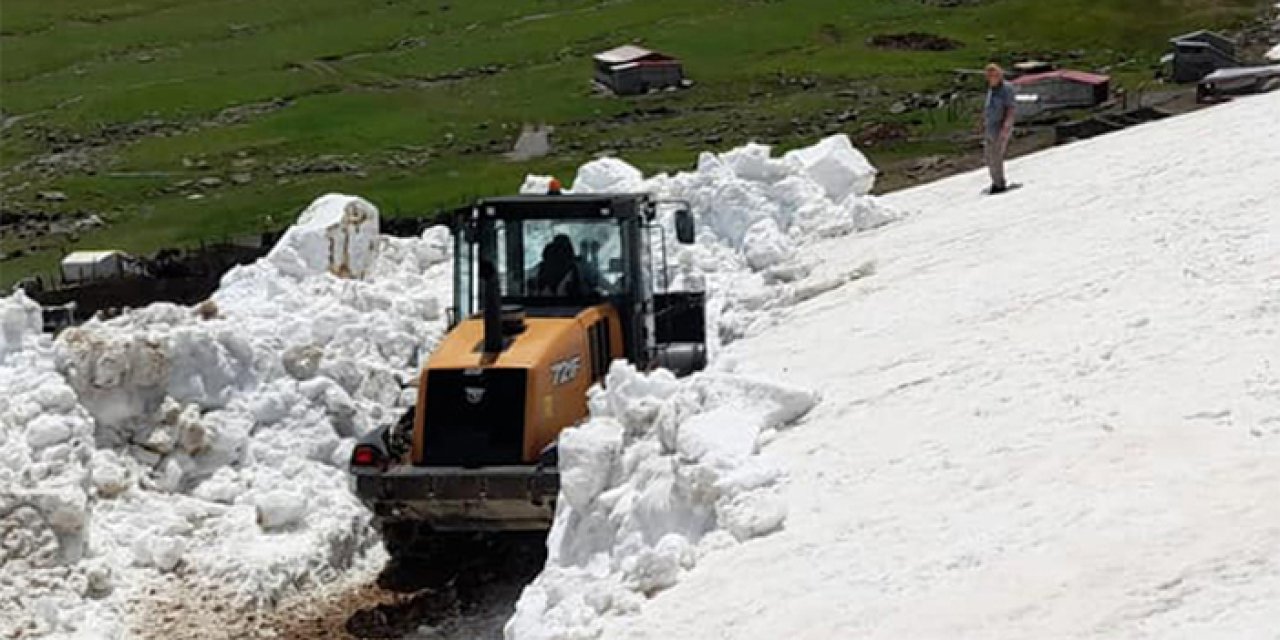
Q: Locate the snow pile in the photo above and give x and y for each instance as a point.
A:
(46, 445)
(665, 472)
(204, 448)
(820, 190)
(758, 215)
(209, 442)
(336, 233)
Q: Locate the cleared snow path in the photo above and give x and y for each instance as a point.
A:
(1055, 413)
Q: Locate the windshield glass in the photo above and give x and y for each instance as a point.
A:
(557, 259)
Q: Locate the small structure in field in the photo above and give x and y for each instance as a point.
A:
(86, 266)
(1032, 66)
(630, 70)
(1199, 53)
(1061, 89)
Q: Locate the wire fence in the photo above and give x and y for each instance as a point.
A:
(203, 256)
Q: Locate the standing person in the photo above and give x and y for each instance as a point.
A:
(998, 117)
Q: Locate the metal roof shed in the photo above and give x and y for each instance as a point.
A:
(84, 266)
(1199, 53)
(1223, 43)
(1062, 89)
(630, 70)
(628, 53)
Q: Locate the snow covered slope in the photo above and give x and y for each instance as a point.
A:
(1054, 413)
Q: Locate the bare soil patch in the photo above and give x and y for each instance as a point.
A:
(914, 41)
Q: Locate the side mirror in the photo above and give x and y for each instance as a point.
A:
(684, 226)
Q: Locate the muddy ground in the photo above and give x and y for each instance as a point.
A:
(466, 590)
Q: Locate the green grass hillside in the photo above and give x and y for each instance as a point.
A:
(175, 120)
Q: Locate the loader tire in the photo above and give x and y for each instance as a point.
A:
(399, 538)
(421, 558)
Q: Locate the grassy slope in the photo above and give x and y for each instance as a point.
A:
(369, 81)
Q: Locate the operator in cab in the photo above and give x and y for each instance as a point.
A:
(563, 274)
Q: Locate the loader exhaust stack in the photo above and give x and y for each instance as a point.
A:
(494, 340)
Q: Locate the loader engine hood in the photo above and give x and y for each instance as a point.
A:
(475, 408)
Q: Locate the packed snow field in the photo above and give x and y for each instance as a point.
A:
(202, 450)
(1050, 413)
(1055, 413)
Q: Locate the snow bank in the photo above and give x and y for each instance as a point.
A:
(820, 190)
(208, 442)
(758, 215)
(337, 233)
(1274, 53)
(665, 472)
(205, 447)
(46, 445)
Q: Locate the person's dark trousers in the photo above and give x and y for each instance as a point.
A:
(994, 150)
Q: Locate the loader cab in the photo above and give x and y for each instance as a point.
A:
(556, 255)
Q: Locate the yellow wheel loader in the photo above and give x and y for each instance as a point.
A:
(547, 291)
